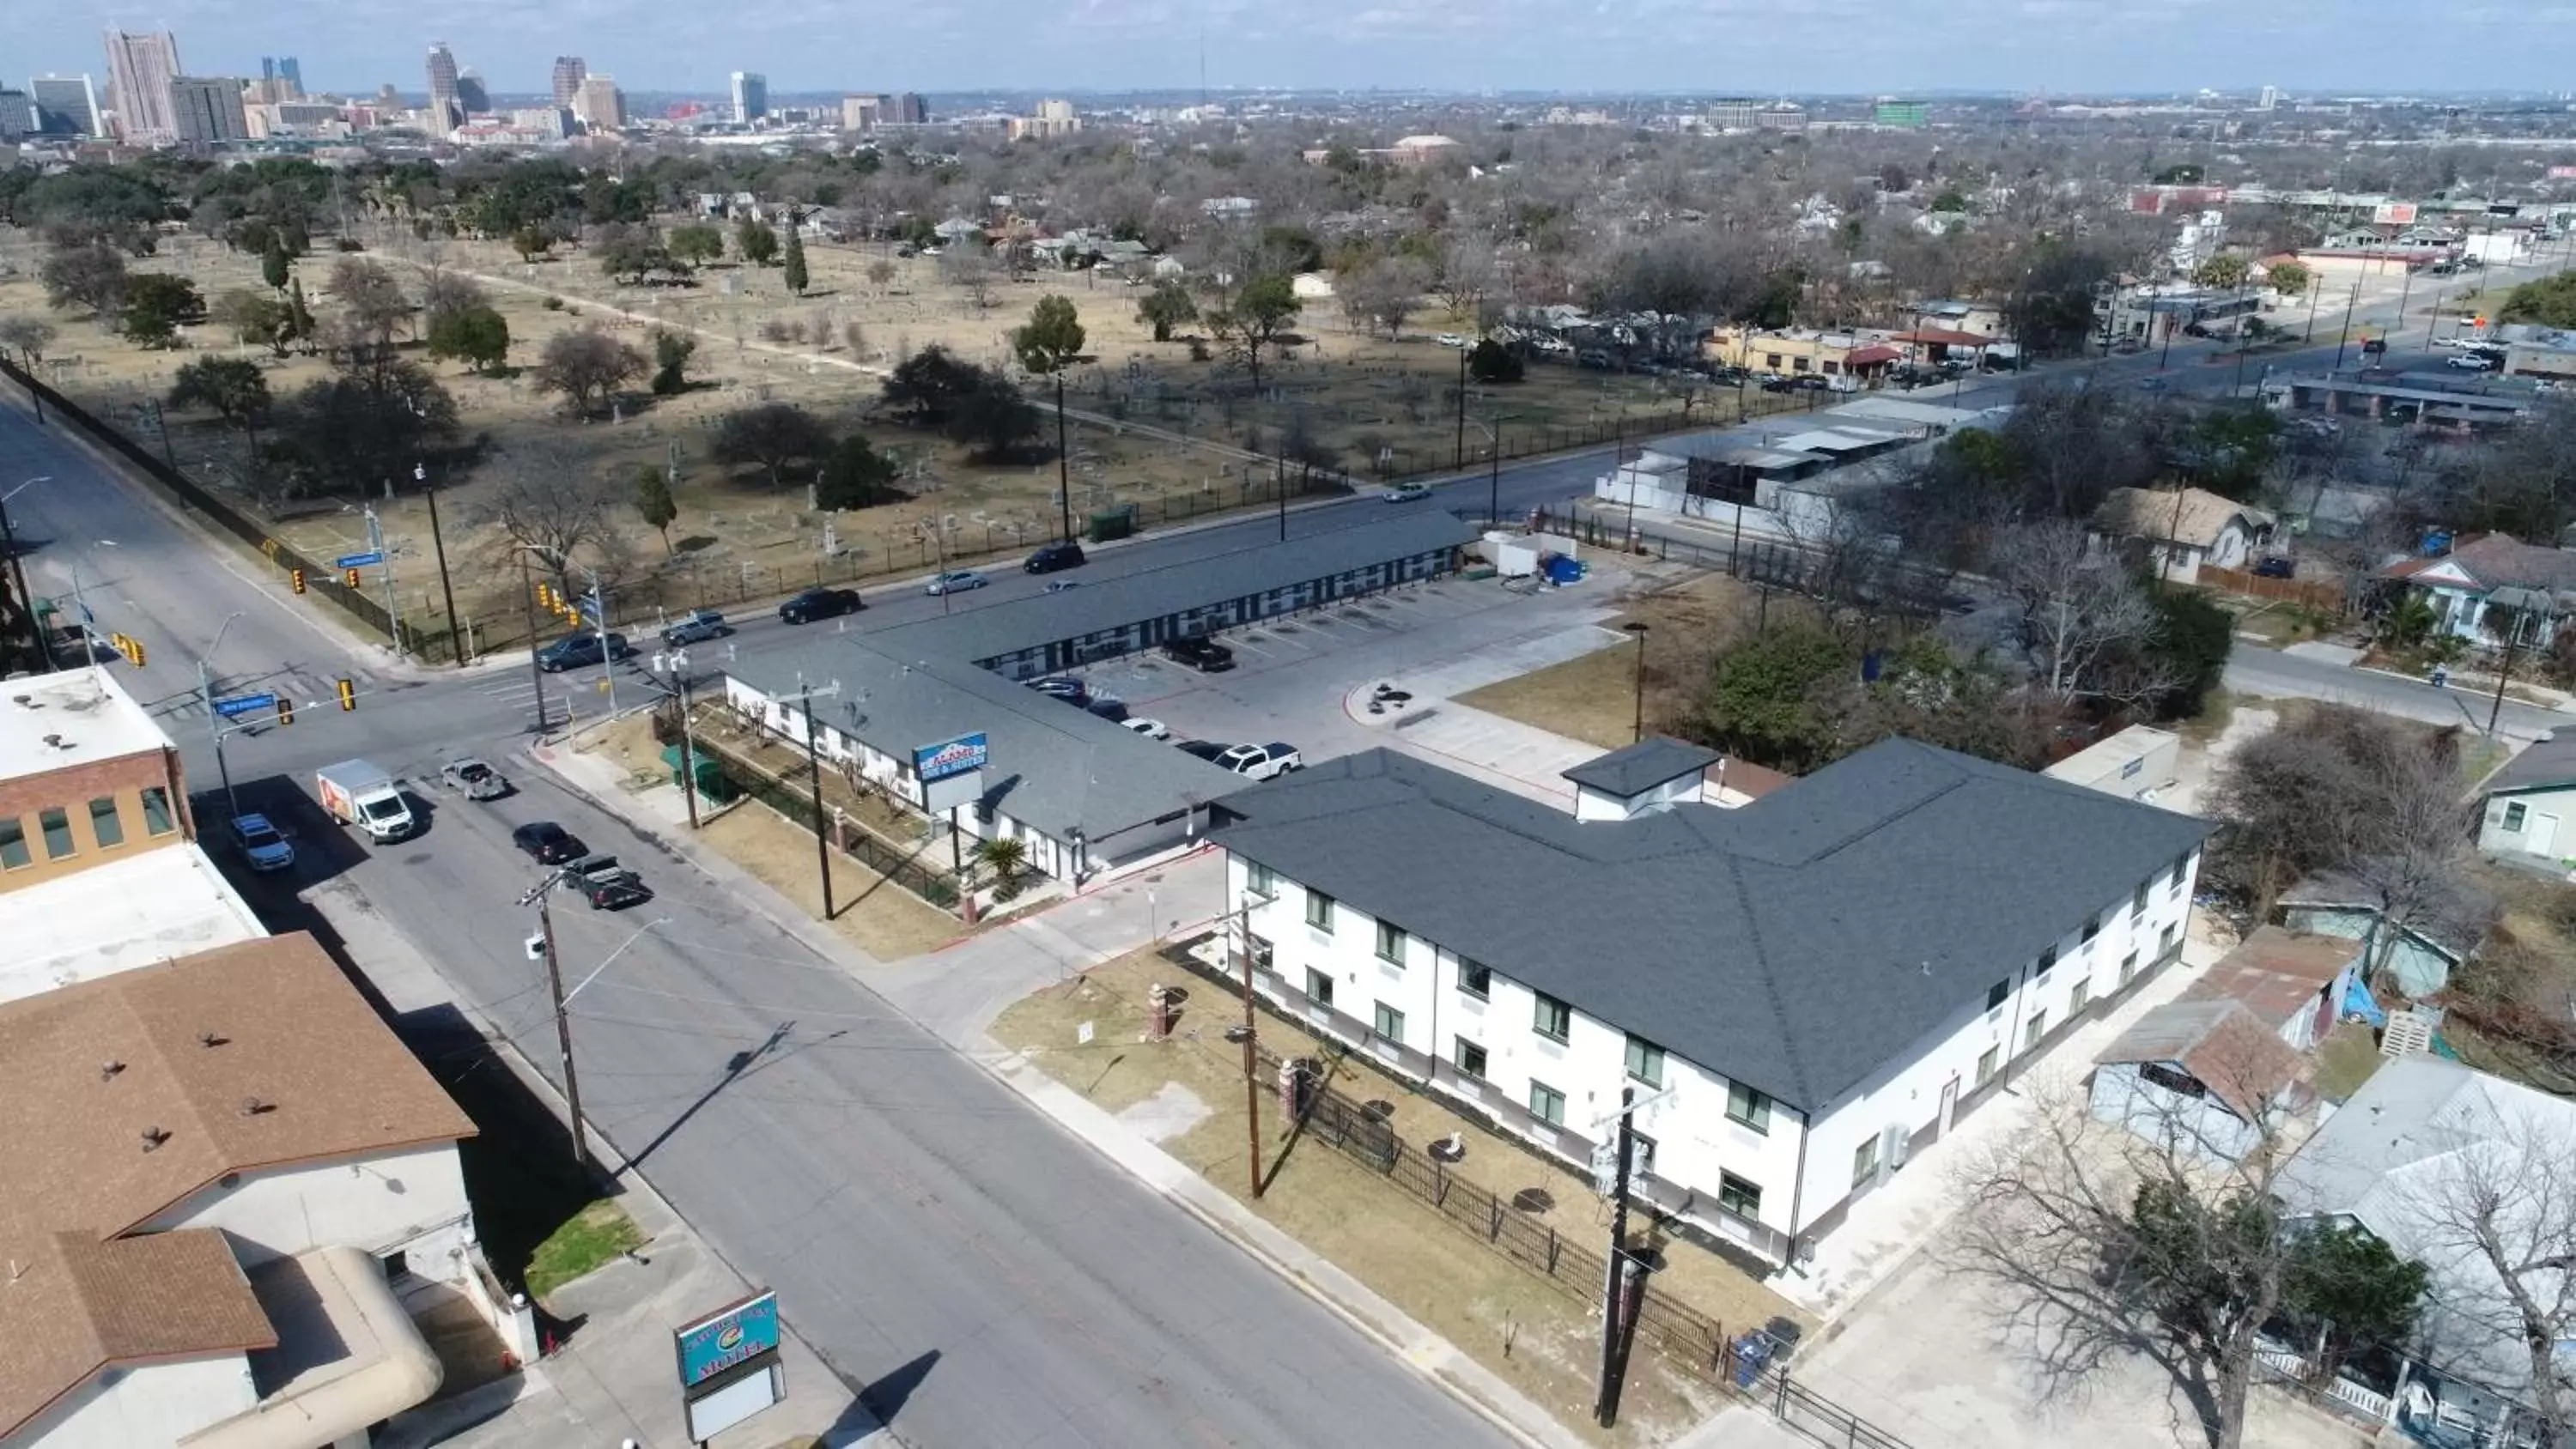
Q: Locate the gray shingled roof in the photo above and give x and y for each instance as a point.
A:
(2546, 765)
(992, 630)
(1054, 766)
(1638, 768)
(1797, 944)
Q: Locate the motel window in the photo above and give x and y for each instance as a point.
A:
(1771, 360)
(1552, 1019)
(105, 825)
(2138, 903)
(57, 826)
(2092, 927)
(1263, 952)
(1986, 1063)
(2513, 816)
(1645, 1061)
(157, 819)
(2047, 961)
(1547, 1104)
(1388, 1024)
(1865, 1161)
(1745, 1105)
(1739, 1197)
(1475, 979)
(2076, 999)
(1998, 993)
(2033, 1029)
(1801, 364)
(13, 844)
(1261, 880)
(1319, 911)
(2180, 865)
(2128, 967)
(1390, 943)
(1319, 989)
(1470, 1059)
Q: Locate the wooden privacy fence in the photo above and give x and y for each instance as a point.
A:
(2314, 593)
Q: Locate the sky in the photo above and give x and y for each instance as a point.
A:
(1701, 47)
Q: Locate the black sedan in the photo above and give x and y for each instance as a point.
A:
(815, 604)
(615, 892)
(548, 843)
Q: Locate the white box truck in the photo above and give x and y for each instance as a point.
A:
(357, 793)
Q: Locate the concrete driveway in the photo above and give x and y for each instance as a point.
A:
(1307, 680)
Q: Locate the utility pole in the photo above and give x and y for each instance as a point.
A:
(1282, 464)
(805, 694)
(1063, 459)
(2350, 303)
(1605, 1408)
(536, 672)
(438, 541)
(1494, 480)
(688, 751)
(214, 722)
(542, 898)
(1251, 1057)
(1459, 459)
(385, 562)
(18, 568)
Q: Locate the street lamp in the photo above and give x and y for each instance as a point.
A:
(1493, 432)
(18, 568)
(1637, 631)
(438, 541)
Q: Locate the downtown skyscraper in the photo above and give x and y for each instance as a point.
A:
(444, 111)
(570, 72)
(140, 67)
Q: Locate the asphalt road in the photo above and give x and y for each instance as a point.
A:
(925, 1229)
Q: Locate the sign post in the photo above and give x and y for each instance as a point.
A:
(952, 778)
(729, 1365)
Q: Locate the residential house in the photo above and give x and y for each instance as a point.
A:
(2463, 585)
(1811, 987)
(2527, 804)
(1858, 356)
(2202, 1078)
(2419, 1140)
(2297, 986)
(2184, 529)
(1983, 319)
(230, 1189)
(2417, 958)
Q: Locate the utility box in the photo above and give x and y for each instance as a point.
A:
(1113, 523)
(712, 784)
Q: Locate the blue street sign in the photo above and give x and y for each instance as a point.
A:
(357, 560)
(240, 704)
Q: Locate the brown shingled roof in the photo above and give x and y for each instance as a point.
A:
(133, 1093)
(2240, 1060)
(2277, 973)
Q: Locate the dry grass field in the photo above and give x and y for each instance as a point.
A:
(1172, 437)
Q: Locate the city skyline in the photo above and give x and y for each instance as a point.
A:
(1994, 46)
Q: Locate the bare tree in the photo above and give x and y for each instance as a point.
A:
(586, 365)
(1468, 274)
(28, 336)
(448, 294)
(2085, 623)
(2497, 1222)
(546, 502)
(1383, 292)
(372, 307)
(2099, 1244)
(970, 269)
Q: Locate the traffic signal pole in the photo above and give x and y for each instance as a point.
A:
(536, 672)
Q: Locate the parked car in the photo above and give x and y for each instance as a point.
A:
(261, 843)
(1058, 586)
(1779, 384)
(572, 651)
(1152, 729)
(473, 779)
(1594, 357)
(1262, 762)
(1204, 655)
(1452, 339)
(1112, 710)
(2276, 566)
(815, 604)
(1407, 493)
(548, 843)
(2473, 362)
(2151, 384)
(1064, 554)
(704, 624)
(2128, 346)
(1064, 687)
(957, 581)
(1208, 750)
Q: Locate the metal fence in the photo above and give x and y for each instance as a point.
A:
(797, 805)
(1819, 1418)
(318, 577)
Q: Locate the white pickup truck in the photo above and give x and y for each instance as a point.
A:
(357, 793)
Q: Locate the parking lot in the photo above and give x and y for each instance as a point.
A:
(1295, 678)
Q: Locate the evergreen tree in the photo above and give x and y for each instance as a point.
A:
(273, 263)
(796, 277)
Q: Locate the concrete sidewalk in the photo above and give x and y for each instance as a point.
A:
(613, 1380)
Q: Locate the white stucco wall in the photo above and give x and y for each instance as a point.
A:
(2545, 826)
(1695, 1140)
(147, 1404)
(412, 1202)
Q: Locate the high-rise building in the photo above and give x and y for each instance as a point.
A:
(207, 110)
(909, 109)
(2271, 98)
(65, 105)
(291, 71)
(443, 110)
(569, 72)
(750, 97)
(601, 105)
(140, 68)
(471, 97)
(862, 113)
(17, 114)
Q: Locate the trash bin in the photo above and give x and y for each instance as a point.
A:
(1752, 1351)
(712, 784)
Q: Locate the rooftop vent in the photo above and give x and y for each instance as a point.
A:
(212, 1039)
(57, 742)
(25, 701)
(254, 1107)
(109, 1068)
(153, 1137)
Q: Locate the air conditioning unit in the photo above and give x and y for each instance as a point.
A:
(1895, 1143)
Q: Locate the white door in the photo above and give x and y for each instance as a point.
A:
(2543, 835)
(1949, 1103)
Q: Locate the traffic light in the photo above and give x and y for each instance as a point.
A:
(348, 695)
(546, 597)
(129, 646)
(295, 577)
(285, 710)
(350, 577)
